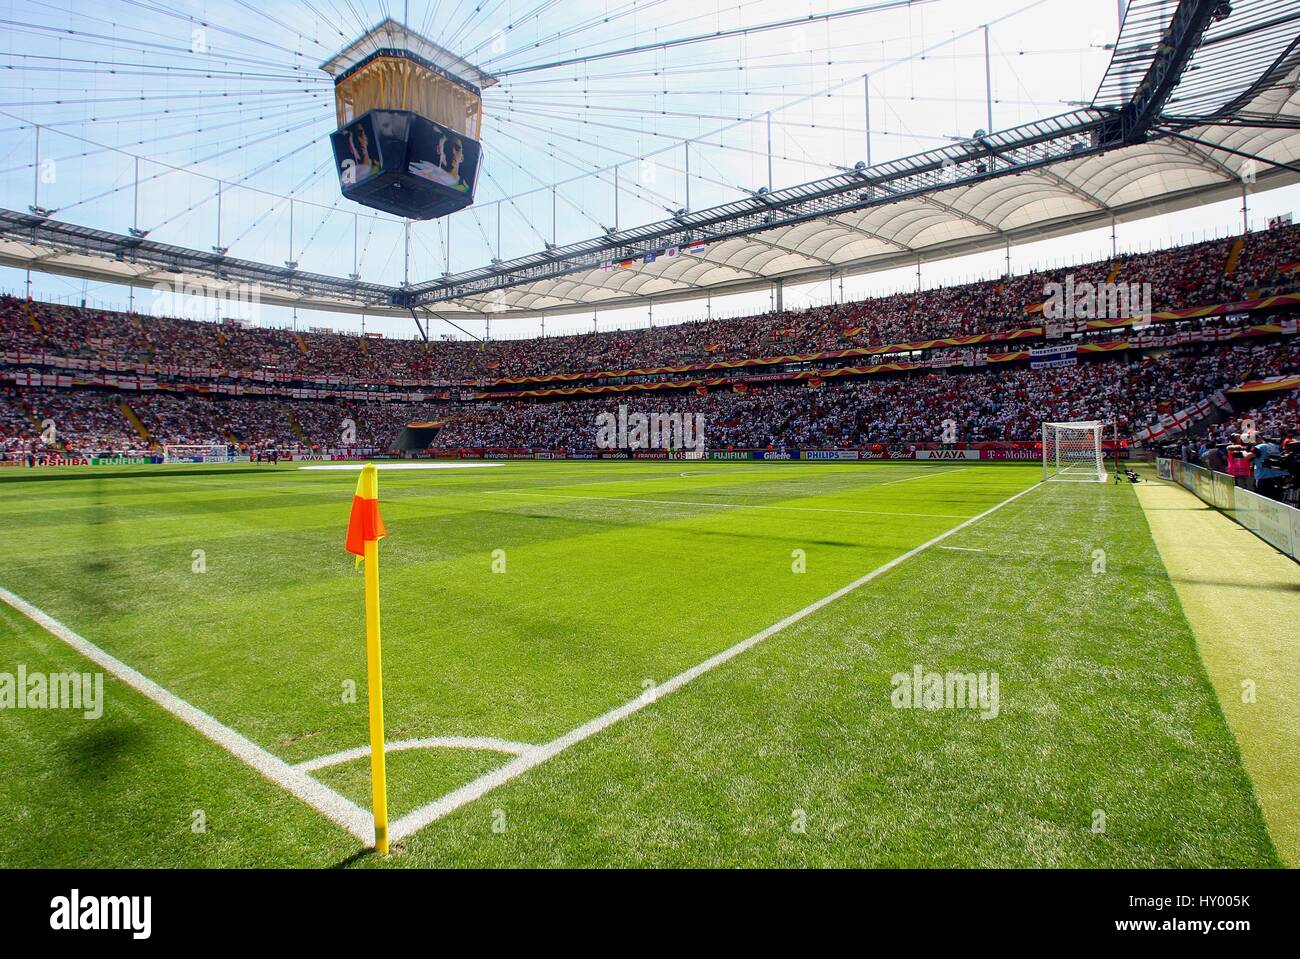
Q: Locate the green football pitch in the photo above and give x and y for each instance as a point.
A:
(610, 664)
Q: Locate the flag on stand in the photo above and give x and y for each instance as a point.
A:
(365, 530)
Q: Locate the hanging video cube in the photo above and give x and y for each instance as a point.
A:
(405, 164)
(409, 115)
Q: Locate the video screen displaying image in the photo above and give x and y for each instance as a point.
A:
(357, 152)
(443, 156)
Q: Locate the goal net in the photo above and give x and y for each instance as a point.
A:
(197, 453)
(1072, 452)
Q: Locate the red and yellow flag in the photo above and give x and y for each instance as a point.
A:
(365, 522)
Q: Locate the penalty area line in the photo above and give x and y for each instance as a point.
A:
(425, 815)
(335, 807)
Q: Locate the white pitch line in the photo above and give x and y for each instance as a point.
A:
(337, 808)
(419, 818)
(488, 743)
(963, 549)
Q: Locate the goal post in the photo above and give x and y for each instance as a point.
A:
(197, 453)
(1073, 452)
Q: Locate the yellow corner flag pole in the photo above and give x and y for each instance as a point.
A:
(365, 529)
(374, 668)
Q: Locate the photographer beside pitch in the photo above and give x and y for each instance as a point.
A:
(1269, 466)
(1239, 462)
(1213, 458)
(1276, 466)
(1263, 457)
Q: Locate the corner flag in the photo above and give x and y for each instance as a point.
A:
(365, 529)
(365, 523)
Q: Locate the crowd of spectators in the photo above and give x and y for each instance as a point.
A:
(90, 422)
(1179, 277)
(984, 405)
(45, 420)
(998, 402)
(1246, 445)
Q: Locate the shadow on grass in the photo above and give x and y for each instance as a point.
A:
(102, 749)
(348, 861)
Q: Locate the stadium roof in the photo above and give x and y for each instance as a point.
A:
(1065, 196)
(1232, 96)
(388, 34)
(1194, 108)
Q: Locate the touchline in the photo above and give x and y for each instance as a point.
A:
(74, 912)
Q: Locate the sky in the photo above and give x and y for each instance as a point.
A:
(150, 110)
